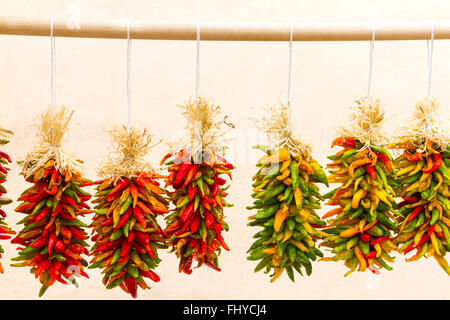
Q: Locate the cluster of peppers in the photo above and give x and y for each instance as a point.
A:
(424, 178)
(53, 239)
(5, 231)
(194, 228)
(361, 231)
(127, 234)
(286, 199)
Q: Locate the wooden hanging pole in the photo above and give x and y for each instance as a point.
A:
(224, 31)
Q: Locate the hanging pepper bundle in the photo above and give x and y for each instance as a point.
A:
(286, 199)
(424, 178)
(194, 229)
(128, 201)
(53, 239)
(361, 231)
(5, 231)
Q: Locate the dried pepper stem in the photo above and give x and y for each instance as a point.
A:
(128, 201)
(52, 240)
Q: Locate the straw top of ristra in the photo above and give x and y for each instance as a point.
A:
(426, 125)
(130, 145)
(51, 127)
(277, 126)
(365, 122)
(204, 131)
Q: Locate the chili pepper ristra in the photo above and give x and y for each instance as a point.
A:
(286, 197)
(195, 227)
(52, 240)
(423, 177)
(361, 226)
(128, 201)
(5, 231)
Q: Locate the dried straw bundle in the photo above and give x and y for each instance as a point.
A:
(51, 126)
(365, 122)
(5, 133)
(130, 145)
(204, 132)
(426, 125)
(279, 131)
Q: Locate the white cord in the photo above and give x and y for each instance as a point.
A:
(53, 67)
(291, 31)
(430, 57)
(372, 44)
(197, 70)
(129, 74)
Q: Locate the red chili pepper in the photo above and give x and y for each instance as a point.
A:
(66, 216)
(65, 199)
(137, 213)
(192, 191)
(415, 212)
(412, 199)
(437, 159)
(385, 160)
(187, 268)
(214, 189)
(142, 237)
(209, 219)
(225, 162)
(379, 239)
(107, 222)
(126, 246)
(370, 170)
(76, 233)
(187, 223)
(151, 275)
(190, 174)
(122, 185)
(431, 229)
(43, 214)
(212, 266)
(187, 212)
(51, 242)
(364, 237)
(106, 246)
(167, 156)
(343, 141)
(371, 255)
(195, 223)
(6, 156)
(123, 219)
(59, 246)
(41, 194)
(41, 241)
(220, 181)
(131, 285)
(182, 171)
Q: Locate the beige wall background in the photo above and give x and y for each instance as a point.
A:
(241, 77)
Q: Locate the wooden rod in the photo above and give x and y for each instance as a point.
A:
(224, 31)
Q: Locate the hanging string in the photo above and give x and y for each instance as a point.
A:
(52, 59)
(128, 74)
(291, 31)
(197, 61)
(430, 57)
(372, 44)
